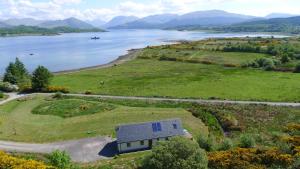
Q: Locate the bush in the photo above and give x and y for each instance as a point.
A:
(7, 87)
(88, 92)
(247, 141)
(177, 153)
(55, 89)
(1, 95)
(60, 159)
(10, 162)
(245, 158)
(207, 144)
(226, 145)
(297, 68)
(58, 95)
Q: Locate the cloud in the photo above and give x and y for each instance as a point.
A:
(60, 9)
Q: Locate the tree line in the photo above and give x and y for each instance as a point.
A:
(17, 74)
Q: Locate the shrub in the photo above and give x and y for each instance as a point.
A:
(1, 95)
(207, 144)
(245, 158)
(88, 92)
(60, 159)
(55, 89)
(297, 68)
(247, 141)
(58, 95)
(7, 87)
(226, 145)
(10, 162)
(177, 153)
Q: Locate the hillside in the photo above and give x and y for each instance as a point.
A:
(3, 25)
(34, 30)
(70, 22)
(149, 22)
(120, 20)
(199, 18)
(23, 21)
(286, 25)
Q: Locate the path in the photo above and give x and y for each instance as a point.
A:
(190, 100)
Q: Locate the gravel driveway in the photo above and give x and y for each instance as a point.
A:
(84, 150)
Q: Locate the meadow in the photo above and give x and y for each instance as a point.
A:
(192, 70)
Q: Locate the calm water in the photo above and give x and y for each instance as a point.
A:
(71, 51)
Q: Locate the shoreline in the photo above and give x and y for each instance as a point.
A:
(131, 54)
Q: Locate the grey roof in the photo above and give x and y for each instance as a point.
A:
(144, 131)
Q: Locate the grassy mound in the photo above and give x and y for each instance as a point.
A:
(71, 108)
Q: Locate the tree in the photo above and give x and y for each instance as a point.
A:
(177, 153)
(10, 73)
(41, 78)
(16, 72)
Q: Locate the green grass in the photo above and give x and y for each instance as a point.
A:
(203, 56)
(145, 77)
(67, 108)
(19, 124)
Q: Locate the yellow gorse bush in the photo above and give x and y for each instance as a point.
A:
(10, 162)
(248, 158)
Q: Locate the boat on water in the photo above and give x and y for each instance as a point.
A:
(95, 38)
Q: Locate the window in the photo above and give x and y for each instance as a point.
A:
(128, 144)
(175, 126)
(156, 127)
(142, 143)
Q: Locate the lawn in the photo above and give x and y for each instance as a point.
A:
(150, 77)
(19, 124)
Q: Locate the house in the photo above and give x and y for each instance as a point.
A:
(142, 136)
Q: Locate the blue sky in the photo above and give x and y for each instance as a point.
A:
(106, 9)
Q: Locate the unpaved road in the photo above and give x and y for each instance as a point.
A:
(190, 100)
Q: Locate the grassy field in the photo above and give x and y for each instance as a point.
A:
(201, 69)
(19, 124)
(145, 77)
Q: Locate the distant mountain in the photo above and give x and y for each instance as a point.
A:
(149, 22)
(97, 23)
(23, 21)
(4, 25)
(285, 25)
(199, 18)
(120, 20)
(279, 15)
(70, 22)
(208, 18)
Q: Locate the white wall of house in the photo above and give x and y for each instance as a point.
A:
(132, 146)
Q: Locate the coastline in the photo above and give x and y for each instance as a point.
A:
(132, 54)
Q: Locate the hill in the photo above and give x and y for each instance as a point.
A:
(120, 20)
(23, 21)
(34, 30)
(70, 22)
(279, 15)
(208, 18)
(199, 18)
(285, 25)
(3, 25)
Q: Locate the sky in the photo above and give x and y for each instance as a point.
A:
(107, 9)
